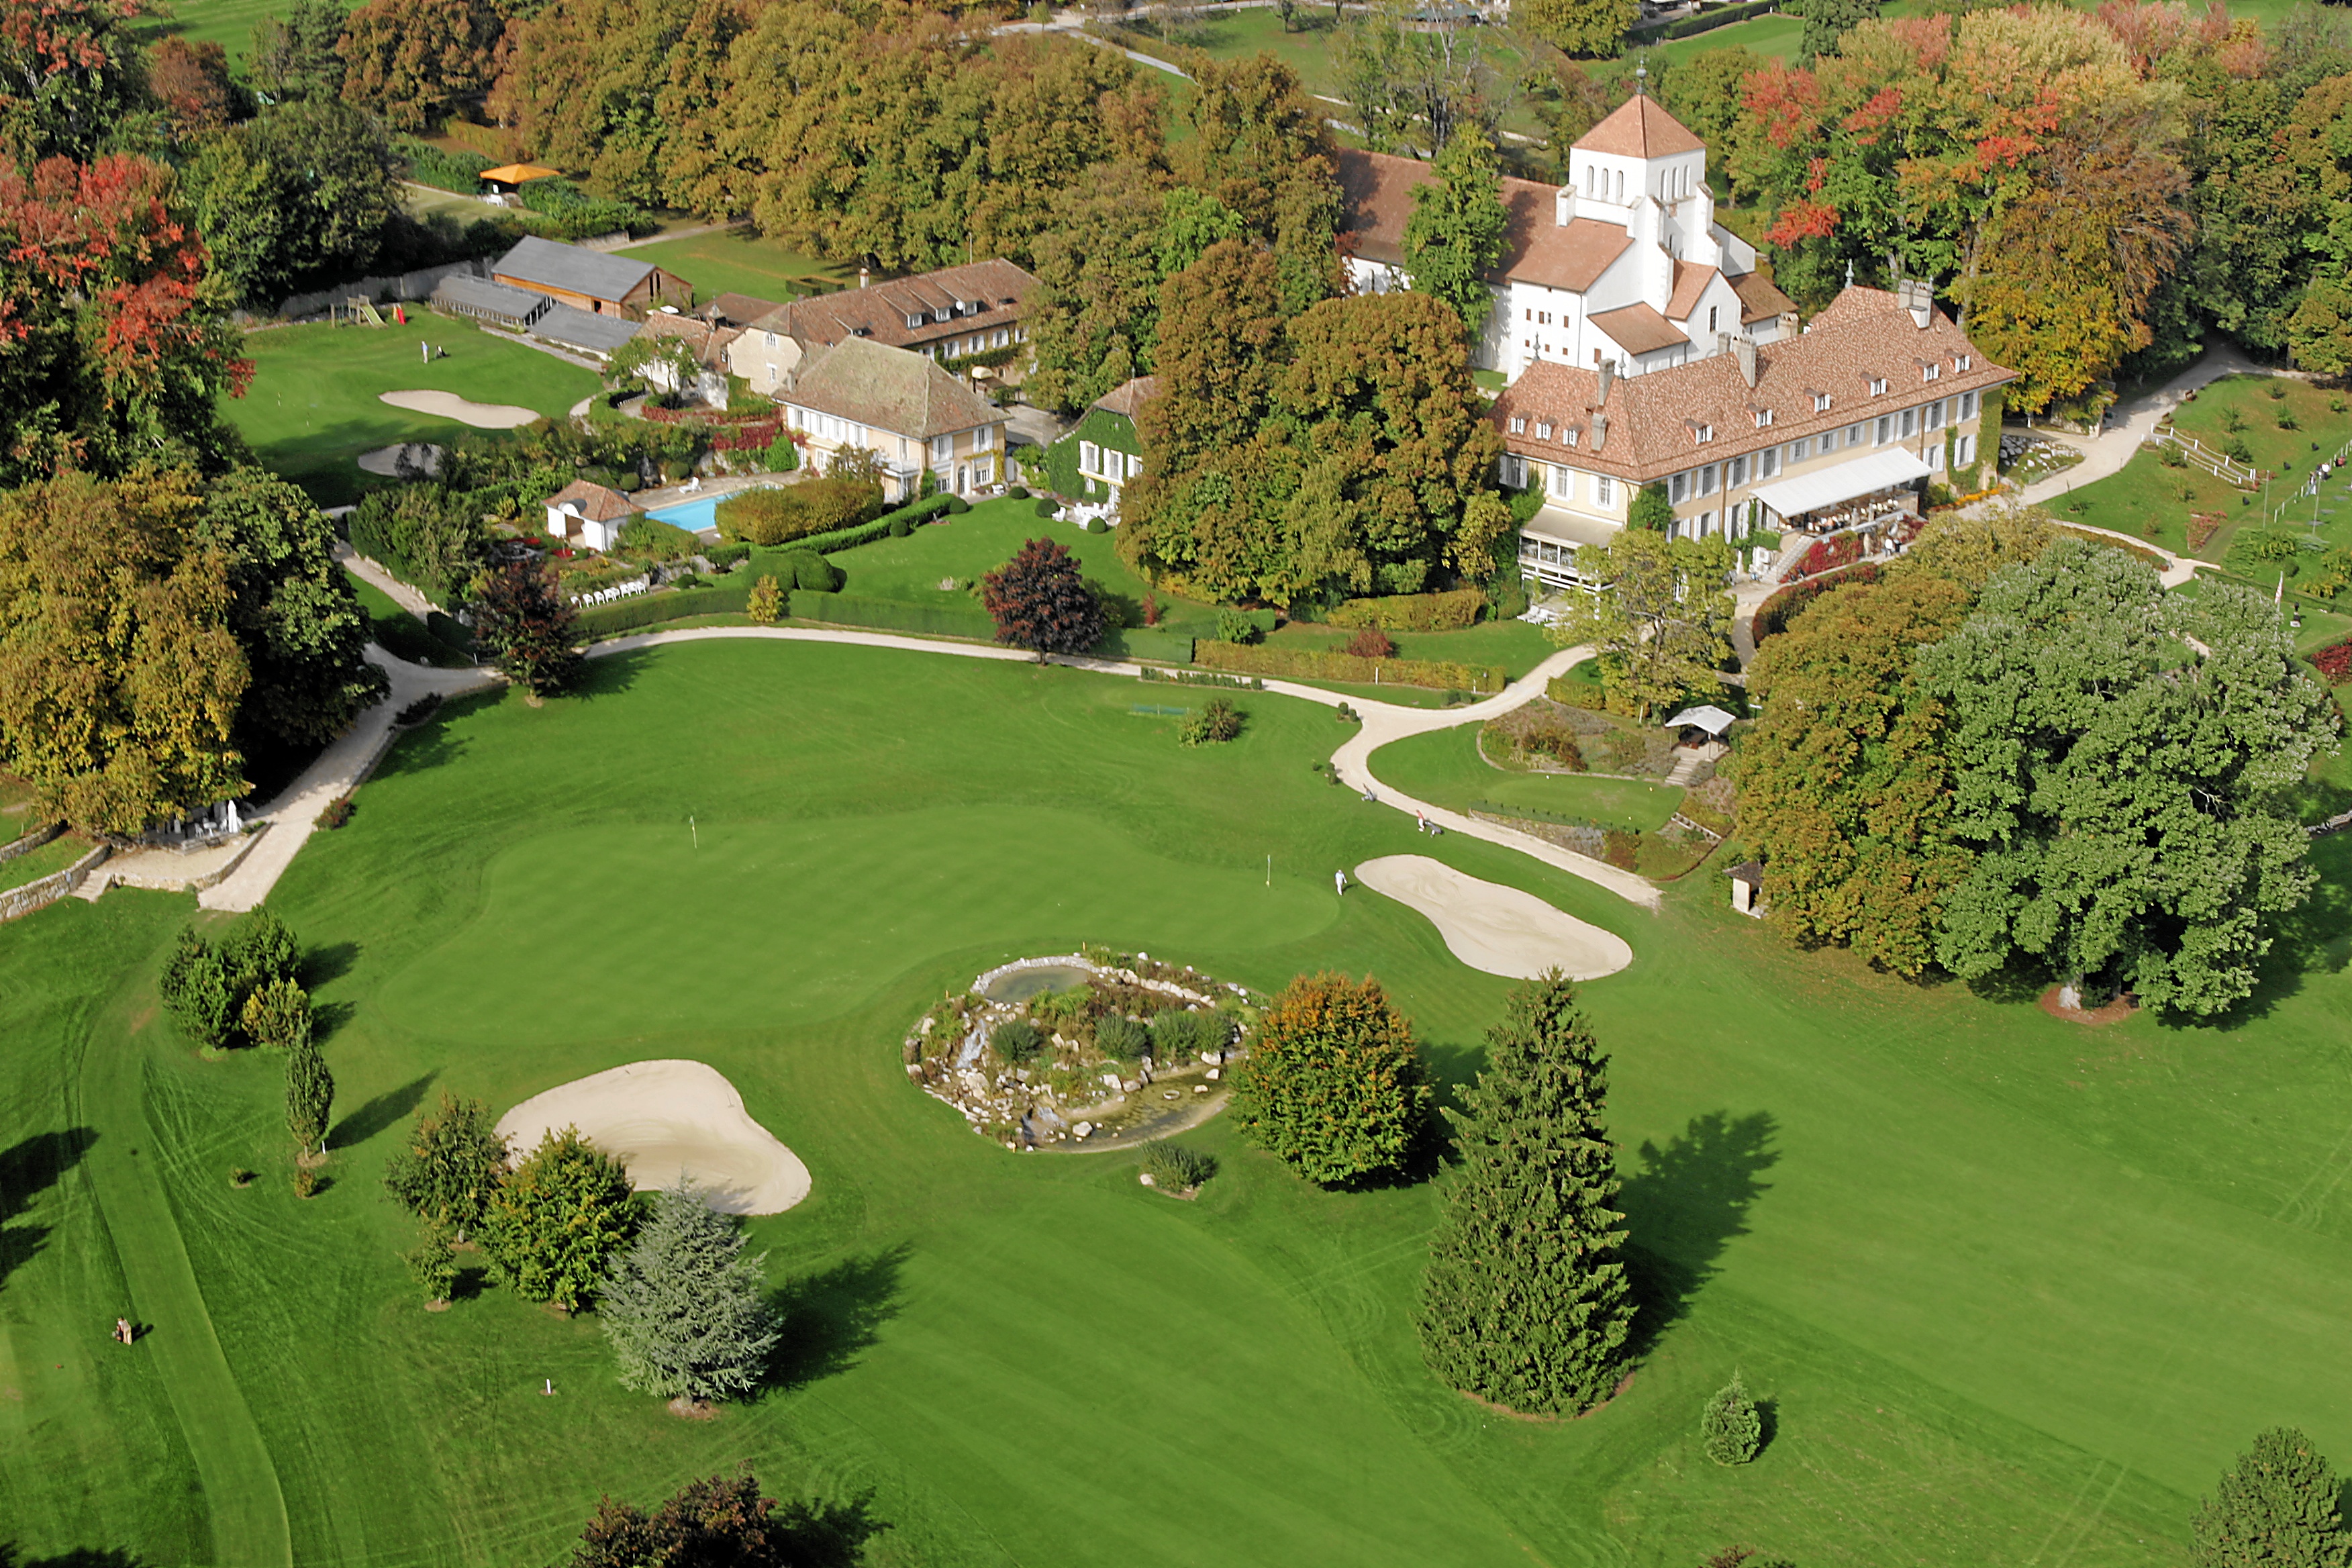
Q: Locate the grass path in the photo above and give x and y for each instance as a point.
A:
(239, 1481)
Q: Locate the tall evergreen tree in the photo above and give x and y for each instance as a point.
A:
(684, 1309)
(309, 1092)
(1526, 1303)
(2274, 1508)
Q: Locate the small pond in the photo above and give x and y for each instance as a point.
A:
(1024, 983)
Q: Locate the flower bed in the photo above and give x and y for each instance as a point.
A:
(1136, 1045)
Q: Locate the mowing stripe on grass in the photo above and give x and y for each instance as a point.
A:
(240, 1483)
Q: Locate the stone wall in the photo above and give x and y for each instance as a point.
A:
(407, 286)
(31, 841)
(32, 895)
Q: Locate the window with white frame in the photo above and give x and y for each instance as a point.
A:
(1934, 414)
(1518, 425)
(943, 449)
(1707, 433)
(1800, 450)
(1884, 431)
(983, 438)
(1568, 435)
(1089, 457)
(1962, 361)
(1604, 491)
(1930, 372)
(1968, 405)
(1820, 403)
(1712, 311)
(1767, 462)
(1854, 435)
(1678, 489)
(1707, 480)
(1735, 473)
(1543, 430)
(1763, 417)
(1934, 455)
(1908, 423)
(1706, 523)
(1563, 482)
(1967, 453)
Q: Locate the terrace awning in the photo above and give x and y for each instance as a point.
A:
(1706, 717)
(1862, 477)
(517, 174)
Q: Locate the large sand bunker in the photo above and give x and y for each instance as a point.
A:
(449, 405)
(1499, 930)
(664, 1117)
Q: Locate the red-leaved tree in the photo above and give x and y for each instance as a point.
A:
(1041, 602)
(527, 626)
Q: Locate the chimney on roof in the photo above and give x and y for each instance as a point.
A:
(1600, 431)
(1563, 206)
(1918, 297)
(1790, 324)
(1607, 371)
(1745, 347)
(1723, 342)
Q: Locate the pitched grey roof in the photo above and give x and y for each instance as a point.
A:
(479, 297)
(891, 389)
(584, 329)
(572, 268)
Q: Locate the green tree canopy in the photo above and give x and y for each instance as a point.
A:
(553, 1225)
(309, 1092)
(1333, 1083)
(1662, 624)
(1455, 232)
(2123, 766)
(685, 1311)
(293, 58)
(1526, 1302)
(2275, 1507)
(450, 1164)
(293, 609)
(1590, 29)
(298, 195)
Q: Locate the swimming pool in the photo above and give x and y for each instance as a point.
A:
(694, 516)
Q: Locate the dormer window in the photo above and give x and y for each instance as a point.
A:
(1877, 387)
(1763, 417)
(1962, 361)
(1930, 372)
(1568, 435)
(914, 322)
(1700, 433)
(1820, 403)
(1518, 425)
(1543, 430)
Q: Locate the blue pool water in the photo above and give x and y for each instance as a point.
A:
(694, 516)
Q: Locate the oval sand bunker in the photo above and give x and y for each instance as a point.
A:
(663, 1117)
(449, 405)
(1499, 930)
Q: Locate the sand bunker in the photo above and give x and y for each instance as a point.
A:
(449, 405)
(660, 1118)
(408, 461)
(1499, 930)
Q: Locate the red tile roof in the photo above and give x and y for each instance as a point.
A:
(1759, 300)
(1690, 281)
(1535, 249)
(1129, 396)
(591, 501)
(879, 311)
(1647, 428)
(1639, 330)
(1640, 129)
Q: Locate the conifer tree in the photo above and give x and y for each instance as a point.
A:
(1526, 1302)
(2274, 1508)
(1732, 1429)
(684, 1309)
(452, 1161)
(309, 1092)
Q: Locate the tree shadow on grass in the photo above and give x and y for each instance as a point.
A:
(81, 1557)
(2314, 939)
(825, 1535)
(386, 1109)
(1684, 1206)
(830, 1316)
(324, 965)
(28, 1168)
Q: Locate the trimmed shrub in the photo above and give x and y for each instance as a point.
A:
(1448, 611)
(1370, 643)
(1217, 721)
(2335, 662)
(900, 528)
(1307, 665)
(1016, 1040)
(778, 514)
(1016, 492)
(1235, 627)
(766, 606)
(1334, 1084)
(1046, 508)
(1774, 616)
(650, 538)
(1121, 1037)
(723, 557)
(811, 571)
(1173, 1168)
(960, 619)
(952, 505)
(867, 533)
(1731, 1429)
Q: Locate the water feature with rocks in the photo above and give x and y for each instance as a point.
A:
(1094, 1049)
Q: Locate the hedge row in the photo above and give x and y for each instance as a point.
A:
(1306, 664)
(1160, 647)
(941, 620)
(444, 171)
(1445, 612)
(1707, 21)
(867, 533)
(731, 597)
(1774, 615)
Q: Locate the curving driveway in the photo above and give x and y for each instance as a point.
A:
(343, 766)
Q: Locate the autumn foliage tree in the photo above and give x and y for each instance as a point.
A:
(1333, 1084)
(1041, 601)
(527, 626)
(119, 677)
(716, 1519)
(412, 62)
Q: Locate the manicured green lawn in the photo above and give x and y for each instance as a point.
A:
(1516, 645)
(1445, 768)
(742, 263)
(35, 864)
(2149, 500)
(313, 407)
(228, 23)
(401, 633)
(2017, 1289)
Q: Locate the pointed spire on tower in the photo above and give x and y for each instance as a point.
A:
(1642, 77)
